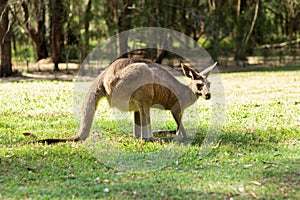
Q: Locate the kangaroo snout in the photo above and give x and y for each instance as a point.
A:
(207, 96)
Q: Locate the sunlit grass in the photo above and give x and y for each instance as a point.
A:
(257, 154)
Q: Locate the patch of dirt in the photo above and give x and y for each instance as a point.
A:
(43, 69)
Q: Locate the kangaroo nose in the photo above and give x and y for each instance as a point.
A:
(207, 96)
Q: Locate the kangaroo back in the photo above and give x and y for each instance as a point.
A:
(137, 85)
(97, 90)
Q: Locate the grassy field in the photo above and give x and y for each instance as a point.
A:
(257, 156)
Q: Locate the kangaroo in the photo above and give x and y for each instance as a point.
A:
(135, 84)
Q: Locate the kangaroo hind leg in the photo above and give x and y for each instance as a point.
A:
(142, 124)
(180, 132)
(146, 132)
(137, 131)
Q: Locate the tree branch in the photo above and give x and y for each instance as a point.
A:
(245, 41)
(278, 45)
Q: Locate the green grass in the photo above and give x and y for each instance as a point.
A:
(257, 155)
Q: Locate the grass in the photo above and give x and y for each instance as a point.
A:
(257, 155)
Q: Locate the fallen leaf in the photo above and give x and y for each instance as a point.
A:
(124, 192)
(72, 176)
(120, 173)
(256, 183)
(248, 166)
(253, 195)
(30, 170)
(97, 179)
(240, 188)
(267, 166)
(238, 154)
(26, 134)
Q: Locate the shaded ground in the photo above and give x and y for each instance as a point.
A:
(43, 70)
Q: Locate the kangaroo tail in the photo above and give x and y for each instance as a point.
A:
(95, 93)
(74, 138)
(89, 107)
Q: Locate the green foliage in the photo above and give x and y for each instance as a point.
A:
(216, 25)
(257, 155)
(23, 53)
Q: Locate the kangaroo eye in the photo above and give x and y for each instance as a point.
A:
(199, 86)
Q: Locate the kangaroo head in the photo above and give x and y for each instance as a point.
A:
(199, 83)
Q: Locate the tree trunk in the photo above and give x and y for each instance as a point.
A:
(41, 46)
(111, 18)
(87, 19)
(160, 54)
(124, 25)
(5, 40)
(57, 31)
(242, 44)
(37, 36)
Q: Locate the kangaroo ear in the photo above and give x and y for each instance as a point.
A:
(189, 72)
(206, 71)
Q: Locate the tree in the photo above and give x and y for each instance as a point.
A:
(5, 40)
(243, 32)
(119, 15)
(87, 19)
(38, 35)
(284, 17)
(58, 17)
(224, 28)
(124, 24)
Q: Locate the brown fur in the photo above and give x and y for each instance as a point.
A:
(136, 85)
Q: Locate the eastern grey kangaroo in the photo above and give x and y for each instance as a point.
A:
(134, 84)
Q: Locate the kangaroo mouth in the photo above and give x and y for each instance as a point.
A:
(207, 96)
